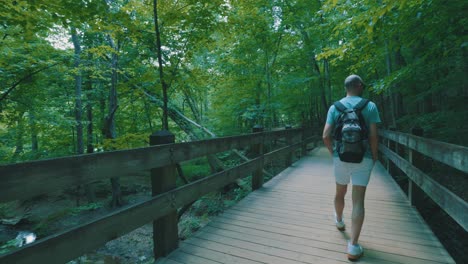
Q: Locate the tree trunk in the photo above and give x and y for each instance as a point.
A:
(109, 124)
(193, 105)
(89, 190)
(33, 127)
(186, 124)
(384, 110)
(326, 69)
(19, 148)
(148, 114)
(78, 103)
(89, 116)
(160, 62)
(258, 117)
(390, 92)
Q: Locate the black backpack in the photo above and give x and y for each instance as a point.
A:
(350, 132)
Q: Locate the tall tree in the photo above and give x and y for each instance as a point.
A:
(78, 93)
(160, 64)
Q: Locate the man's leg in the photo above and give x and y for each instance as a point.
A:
(339, 200)
(357, 220)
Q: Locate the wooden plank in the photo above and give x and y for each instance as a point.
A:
(306, 200)
(374, 221)
(279, 153)
(332, 251)
(456, 207)
(191, 259)
(272, 249)
(326, 242)
(330, 237)
(421, 252)
(327, 224)
(60, 248)
(214, 255)
(254, 253)
(167, 261)
(306, 197)
(428, 240)
(325, 206)
(453, 155)
(320, 216)
(380, 197)
(274, 135)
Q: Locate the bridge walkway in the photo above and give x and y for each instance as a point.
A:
(290, 220)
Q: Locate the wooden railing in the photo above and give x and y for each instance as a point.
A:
(448, 154)
(26, 180)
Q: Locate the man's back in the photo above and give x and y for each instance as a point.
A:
(369, 113)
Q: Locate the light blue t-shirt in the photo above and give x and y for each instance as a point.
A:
(370, 114)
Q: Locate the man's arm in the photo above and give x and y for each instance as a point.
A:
(327, 138)
(374, 141)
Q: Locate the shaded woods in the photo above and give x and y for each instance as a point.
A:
(93, 76)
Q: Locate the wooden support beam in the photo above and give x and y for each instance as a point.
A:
(304, 142)
(163, 179)
(289, 140)
(257, 149)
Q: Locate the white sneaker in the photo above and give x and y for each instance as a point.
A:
(354, 251)
(340, 225)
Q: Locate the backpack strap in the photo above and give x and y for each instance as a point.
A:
(339, 106)
(361, 105)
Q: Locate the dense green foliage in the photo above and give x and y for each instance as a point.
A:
(229, 65)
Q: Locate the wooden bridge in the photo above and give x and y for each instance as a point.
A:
(286, 220)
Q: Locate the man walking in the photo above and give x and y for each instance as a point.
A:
(347, 164)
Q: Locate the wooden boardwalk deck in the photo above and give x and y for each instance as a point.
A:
(290, 220)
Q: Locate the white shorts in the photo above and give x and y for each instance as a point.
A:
(359, 173)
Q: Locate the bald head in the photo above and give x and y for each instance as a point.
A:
(354, 85)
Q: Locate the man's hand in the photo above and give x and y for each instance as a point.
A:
(327, 139)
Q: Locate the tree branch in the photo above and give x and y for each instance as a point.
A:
(14, 85)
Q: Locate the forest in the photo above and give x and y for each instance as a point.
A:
(84, 76)
(88, 76)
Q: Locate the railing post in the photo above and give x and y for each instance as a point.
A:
(304, 144)
(163, 179)
(410, 182)
(386, 158)
(392, 145)
(417, 160)
(289, 140)
(257, 149)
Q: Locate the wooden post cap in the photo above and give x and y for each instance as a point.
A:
(162, 137)
(417, 131)
(257, 128)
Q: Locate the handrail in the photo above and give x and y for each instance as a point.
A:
(453, 155)
(29, 179)
(55, 174)
(456, 207)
